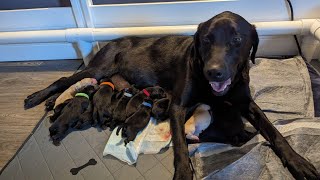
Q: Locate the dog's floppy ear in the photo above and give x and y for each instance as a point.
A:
(255, 43)
(196, 39)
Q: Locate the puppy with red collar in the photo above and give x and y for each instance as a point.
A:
(155, 92)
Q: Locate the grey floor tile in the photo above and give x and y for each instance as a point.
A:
(112, 163)
(76, 145)
(127, 173)
(159, 172)
(93, 172)
(33, 164)
(13, 171)
(94, 137)
(168, 162)
(164, 153)
(146, 162)
(57, 158)
(141, 178)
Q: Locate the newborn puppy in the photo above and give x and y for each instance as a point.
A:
(198, 122)
(104, 101)
(119, 115)
(136, 122)
(160, 109)
(76, 113)
(154, 93)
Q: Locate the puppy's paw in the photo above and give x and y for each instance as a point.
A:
(50, 103)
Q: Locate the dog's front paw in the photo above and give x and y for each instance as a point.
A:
(300, 168)
(34, 99)
(183, 173)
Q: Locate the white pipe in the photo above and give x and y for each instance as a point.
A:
(300, 27)
(315, 29)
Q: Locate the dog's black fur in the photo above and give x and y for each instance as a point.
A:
(119, 115)
(160, 109)
(73, 113)
(185, 66)
(104, 102)
(156, 92)
(50, 102)
(136, 122)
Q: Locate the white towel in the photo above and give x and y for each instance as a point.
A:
(150, 140)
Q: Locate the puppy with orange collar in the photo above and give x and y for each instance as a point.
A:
(104, 101)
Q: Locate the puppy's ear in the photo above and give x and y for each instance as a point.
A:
(196, 39)
(255, 43)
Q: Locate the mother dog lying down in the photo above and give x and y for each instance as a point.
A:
(210, 67)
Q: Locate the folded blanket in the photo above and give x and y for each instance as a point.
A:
(151, 140)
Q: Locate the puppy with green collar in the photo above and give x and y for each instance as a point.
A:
(73, 113)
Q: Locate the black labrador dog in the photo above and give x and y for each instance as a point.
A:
(210, 67)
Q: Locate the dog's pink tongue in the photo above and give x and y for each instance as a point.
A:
(220, 86)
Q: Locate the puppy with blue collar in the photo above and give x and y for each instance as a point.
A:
(137, 122)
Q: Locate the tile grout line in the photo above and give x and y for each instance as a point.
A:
(45, 160)
(20, 167)
(96, 154)
(71, 157)
(61, 143)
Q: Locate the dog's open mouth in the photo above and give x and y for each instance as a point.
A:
(220, 87)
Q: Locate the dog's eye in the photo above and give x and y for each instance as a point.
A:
(236, 40)
(206, 40)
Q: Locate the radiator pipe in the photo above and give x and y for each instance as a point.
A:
(299, 27)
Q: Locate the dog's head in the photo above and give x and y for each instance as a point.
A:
(160, 109)
(222, 45)
(156, 92)
(89, 90)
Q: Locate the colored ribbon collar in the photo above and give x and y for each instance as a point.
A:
(108, 83)
(147, 104)
(146, 92)
(127, 94)
(82, 95)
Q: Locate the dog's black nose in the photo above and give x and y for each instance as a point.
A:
(216, 73)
